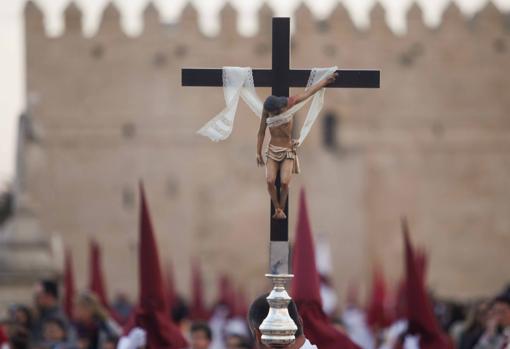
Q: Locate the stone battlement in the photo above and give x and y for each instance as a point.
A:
(489, 18)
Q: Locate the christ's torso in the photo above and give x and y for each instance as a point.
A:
(281, 136)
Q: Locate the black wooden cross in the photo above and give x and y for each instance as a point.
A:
(280, 78)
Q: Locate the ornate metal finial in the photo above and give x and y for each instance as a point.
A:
(278, 328)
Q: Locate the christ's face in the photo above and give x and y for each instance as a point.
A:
(279, 111)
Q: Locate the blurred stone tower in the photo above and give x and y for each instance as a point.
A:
(433, 143)
(27, 253)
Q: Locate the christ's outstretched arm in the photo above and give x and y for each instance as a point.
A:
(313, 90)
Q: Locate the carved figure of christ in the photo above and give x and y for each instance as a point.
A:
(281, 157)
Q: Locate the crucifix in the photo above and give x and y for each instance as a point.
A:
(280, 78)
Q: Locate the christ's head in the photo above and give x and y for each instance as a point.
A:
(276, 105)
(258, 312)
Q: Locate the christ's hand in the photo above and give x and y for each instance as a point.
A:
(260, 161)
(331, 78)
(315, 88)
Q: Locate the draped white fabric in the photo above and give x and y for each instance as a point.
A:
(238, 83)
(316, 75)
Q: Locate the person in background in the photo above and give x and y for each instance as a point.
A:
(236, 332)
(235, 341)
(468, 333)
(92, 322)
(122, 307)
(19, 337)
(110, 342)
(22, 316)
(180, 314)
(55, 334)
(217, 323)
(47, 307)
(200, 336)
(497, 325)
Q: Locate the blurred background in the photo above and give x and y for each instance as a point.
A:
(91, 103)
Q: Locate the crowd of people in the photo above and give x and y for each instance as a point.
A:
(45, 325)
(409, 318)
(483, 324)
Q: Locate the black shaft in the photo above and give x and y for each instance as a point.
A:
(281, 56)
(280, 87)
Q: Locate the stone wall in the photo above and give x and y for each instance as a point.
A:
(433, 144)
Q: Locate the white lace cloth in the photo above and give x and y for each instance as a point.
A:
(238, 83)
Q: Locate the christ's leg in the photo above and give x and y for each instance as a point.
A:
(285, 176)
(272, 168)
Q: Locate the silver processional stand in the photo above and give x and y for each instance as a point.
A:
(278, 329)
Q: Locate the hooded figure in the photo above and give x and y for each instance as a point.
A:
(306, 289)
(420, 314)
(151, 314)
(96, 276)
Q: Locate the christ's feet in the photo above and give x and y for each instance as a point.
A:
(279, 214)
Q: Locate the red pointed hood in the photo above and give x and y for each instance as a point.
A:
(400, 301)
(419, 308)
(96, 278)
(69, 285)
(421, 260)
(151, 313)
(226, 294)
(198, 308)
(306, 289)
(171, 294)
(241, 304)
(306, 283)
(4, 339)
(377, 316)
